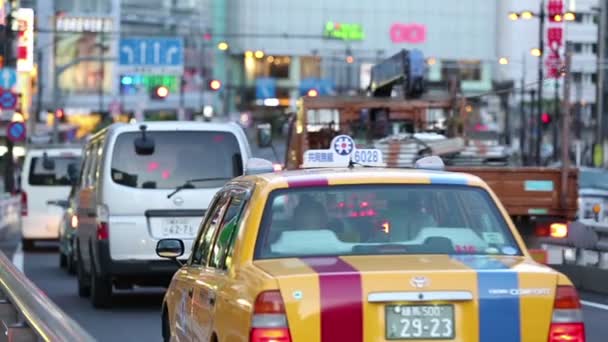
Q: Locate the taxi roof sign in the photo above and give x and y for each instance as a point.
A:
(342, 152)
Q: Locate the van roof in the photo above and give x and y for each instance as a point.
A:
(172, 126)
(54, 151)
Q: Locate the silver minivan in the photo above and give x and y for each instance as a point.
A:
(143, 183)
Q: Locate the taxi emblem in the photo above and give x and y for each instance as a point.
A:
(178, 201)
(419, 282)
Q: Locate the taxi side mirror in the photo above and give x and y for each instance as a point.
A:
(170, 248)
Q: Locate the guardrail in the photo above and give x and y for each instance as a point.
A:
(27, 314)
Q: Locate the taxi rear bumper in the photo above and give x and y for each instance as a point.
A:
(140, 272)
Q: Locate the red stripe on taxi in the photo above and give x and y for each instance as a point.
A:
(306, 181)
(341, 299)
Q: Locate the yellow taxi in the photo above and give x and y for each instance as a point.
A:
(360, 254)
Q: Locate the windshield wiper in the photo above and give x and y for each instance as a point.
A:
(188, 184)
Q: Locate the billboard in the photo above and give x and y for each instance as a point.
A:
(88, 40)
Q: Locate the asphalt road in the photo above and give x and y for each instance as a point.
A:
(135, 316)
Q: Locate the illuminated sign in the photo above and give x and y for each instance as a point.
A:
(25, 39)
(342, 31)
(83, 24)
(408, 33)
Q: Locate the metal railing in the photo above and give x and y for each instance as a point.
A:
(27, 314)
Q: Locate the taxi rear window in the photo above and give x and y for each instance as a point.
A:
(382, 219)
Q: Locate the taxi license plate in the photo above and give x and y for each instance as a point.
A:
(419, 322)
(178, 227)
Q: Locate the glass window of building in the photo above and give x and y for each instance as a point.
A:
(273, 66)
(310, 67)
(463, 70)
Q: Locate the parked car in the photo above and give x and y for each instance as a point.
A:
(67, 229)
(593, 194)
(141, 184)
(48, 173)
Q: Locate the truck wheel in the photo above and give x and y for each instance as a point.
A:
(27, 244)
(63, 260)
(101, 290)
(84, 288)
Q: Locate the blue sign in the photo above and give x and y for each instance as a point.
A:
(8, 100)
(15, 131)
(265, 88)
(8, 78)
(152, 53)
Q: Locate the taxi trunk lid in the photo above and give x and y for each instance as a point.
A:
(372, 298)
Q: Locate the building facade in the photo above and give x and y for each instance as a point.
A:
(280, 49)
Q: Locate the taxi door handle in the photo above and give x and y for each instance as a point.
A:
(190, 292)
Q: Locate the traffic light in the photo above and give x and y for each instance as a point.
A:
(215, 85)
(60, 115)
(159, 92)
(545, 118)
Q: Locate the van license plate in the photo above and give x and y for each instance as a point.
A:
(178, 227)
(419, 322)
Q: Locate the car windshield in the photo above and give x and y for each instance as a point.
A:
(55, 172)
(177, 158)
(595, 179)
(382, 219)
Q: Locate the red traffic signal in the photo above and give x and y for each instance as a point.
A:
(59, 113)
(215, 85)
(545, 118)
(159, 92)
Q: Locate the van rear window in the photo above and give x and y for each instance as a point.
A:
(178, 156)
(53, 171)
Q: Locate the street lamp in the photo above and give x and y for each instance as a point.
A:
(223, 46)
(503, 61)
(536, 52)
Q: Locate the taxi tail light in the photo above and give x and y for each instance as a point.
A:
(103, 218)
(23, 203)
(269, 322)
(567, 321)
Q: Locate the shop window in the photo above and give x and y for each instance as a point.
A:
(463, 70)
(272, 66)
(310, 67)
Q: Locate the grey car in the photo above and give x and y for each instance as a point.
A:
(67, 230)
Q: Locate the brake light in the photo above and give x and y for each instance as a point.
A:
(269, 322)
(567, 321)
(74, 221)
(103, 218)
(559, 230)
(23, 203)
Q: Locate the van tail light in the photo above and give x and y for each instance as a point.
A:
(567, 321)
(23, 203)
(558, 230)
(103, 218)
(269, 322)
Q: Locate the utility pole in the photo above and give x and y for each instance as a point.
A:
(531, 134)
(541, 48)
(522, 114)
(39, 89)
(565, 126)
(555, 122)
(601, 55)
(10, 60)
(102, 70)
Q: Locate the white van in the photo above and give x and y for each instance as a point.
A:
(47, 176)
(143, 183)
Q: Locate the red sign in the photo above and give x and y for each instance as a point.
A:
(556, 10)
(408, 33)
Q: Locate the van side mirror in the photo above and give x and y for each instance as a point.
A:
(264, 135)
(170, 248)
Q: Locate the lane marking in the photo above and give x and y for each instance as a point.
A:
(18, 258)
(595, 305)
